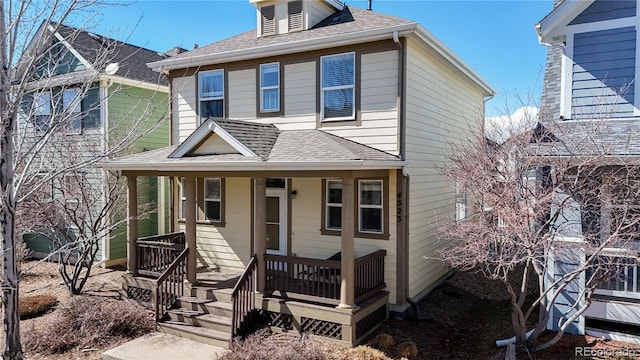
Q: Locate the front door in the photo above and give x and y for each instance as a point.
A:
(277, 221)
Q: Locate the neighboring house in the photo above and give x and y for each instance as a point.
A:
(590, 103)
(108, 87)
(306, 150)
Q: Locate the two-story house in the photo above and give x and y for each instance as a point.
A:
(303, 152)
(106, 94)
(590, 103)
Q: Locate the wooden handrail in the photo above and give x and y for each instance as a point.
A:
(244, 300)
(170, 285)
(159, 244)
(156, 253)
(169, 236)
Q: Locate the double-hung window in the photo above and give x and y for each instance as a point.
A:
(211, 93)
(334, 205)
(270, 87)
(213, 200)
(72, 109)
(337, 93)
(370, 206)
(183, 198)
(42, 112)
(461, 202)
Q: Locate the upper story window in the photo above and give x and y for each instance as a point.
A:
(211, 85)
(268, 20)
(337, 93)
(42, 112)
(270, 87)
(72, 108)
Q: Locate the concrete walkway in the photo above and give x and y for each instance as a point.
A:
(160, 346)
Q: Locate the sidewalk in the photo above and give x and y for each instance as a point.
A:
(160, 346)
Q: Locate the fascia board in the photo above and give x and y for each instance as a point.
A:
(560, 16)
(135, 83)
(282, 49)
(255, 166)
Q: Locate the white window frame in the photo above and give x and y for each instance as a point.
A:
(212, 199)
(201, 75)
(330, 204)
(340, 87)
(263, 88)
(368, 206)
(74, 120)
(183, 198)
(42, 108)
(461, 202)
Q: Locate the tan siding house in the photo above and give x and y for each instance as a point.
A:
(310, 163)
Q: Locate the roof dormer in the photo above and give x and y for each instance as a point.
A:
(281, 16)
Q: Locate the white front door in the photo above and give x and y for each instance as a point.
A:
(277, 221)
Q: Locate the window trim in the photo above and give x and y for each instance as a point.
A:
(183, 199)
(384, 235)
(272, 87)
(39, 130)
(461, 203)
(327, 205)
(205, 199)
(200, 202)
(201, 98)
(75, 111)
(322, 90)
(369, 206)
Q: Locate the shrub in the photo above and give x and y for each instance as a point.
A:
(87, 322)
(365, 353)
(264, 346)
(36, 305)
(408, 349)
(382, 341)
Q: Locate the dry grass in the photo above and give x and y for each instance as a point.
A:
(382, 341)
(88, 322)
(408, 349)
(364, 353)
(36, 305)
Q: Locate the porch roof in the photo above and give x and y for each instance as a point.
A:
(260, 147)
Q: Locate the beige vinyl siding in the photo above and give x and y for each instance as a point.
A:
(184, 104)
(307, 241)
(379, 104)
(242, 94)
(317, 11)
(300, 97)
(228, 246)
(441, 108)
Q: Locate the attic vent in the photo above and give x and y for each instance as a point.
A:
(268, 20)
(295, 15)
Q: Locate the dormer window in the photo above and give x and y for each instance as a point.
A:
(268, 20)
(294, 10)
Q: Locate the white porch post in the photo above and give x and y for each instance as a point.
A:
(260, 230)
(347, 272)
(190, 226)
(132, 225)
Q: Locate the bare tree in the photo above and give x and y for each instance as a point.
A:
(38, 107)
(556, 206)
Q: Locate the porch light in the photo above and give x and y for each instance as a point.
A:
(294, 193)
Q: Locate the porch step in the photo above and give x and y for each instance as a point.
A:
(196, 333)
(209, 293)
(206, 306)
(196, 318)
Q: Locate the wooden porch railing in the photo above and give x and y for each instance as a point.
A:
(318, 280)
(244, 300)
(369, 277)
(170, 285)
(156, 253)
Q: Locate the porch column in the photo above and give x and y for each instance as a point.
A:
(132, 225)
(190, 226)
(347, 272)
(260, 230)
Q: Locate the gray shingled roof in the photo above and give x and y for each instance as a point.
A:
(271, 145)
(591, 138)
(132, 59)
(349, 20)
(259, 138)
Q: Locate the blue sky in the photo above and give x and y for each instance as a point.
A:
(496, 38)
